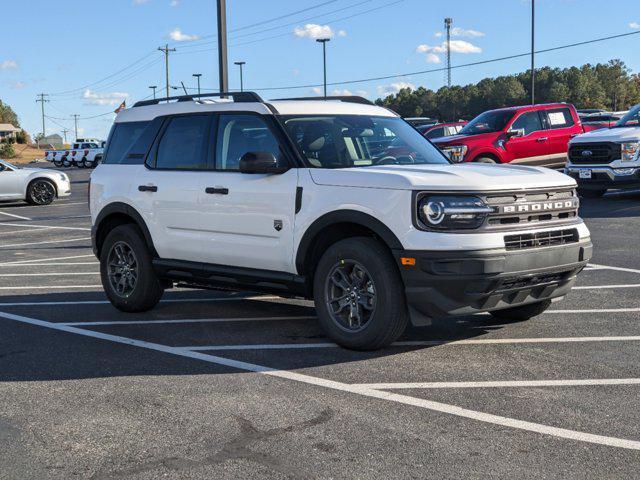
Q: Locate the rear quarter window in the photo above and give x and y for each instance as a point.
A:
(559, 118)
(123, 136)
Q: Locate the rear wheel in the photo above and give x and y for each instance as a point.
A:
(484, 160)
(126, 271)
(82, 163)
(57, 163)
(41, 192)
(359, 294)
(524, 312)
(585, 193)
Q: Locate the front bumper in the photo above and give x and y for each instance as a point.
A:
(460, 283)
(603, 177)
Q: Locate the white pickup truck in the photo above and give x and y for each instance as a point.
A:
(84, 153)
(607, 158)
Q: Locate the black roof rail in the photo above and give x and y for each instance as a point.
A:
(342, 98)
(238, 97)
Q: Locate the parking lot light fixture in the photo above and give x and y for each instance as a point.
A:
(153, 87)
(240, 64)
(324, 41)
(198, 75)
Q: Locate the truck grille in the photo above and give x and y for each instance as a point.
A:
(541, 239)
(531, 208)
(594, 153)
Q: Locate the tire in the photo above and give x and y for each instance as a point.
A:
(591, 193)
(379, 287)
(142, 290)
(57, 163)
(485, 160)
(89, 164)
(82, 163)
(41, 191)
(524, 312)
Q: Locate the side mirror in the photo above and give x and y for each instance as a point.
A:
(516, 132)
(261, 162)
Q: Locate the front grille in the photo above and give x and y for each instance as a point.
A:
(594, 153)
(532, 281)
(531, 208)
(541, 239)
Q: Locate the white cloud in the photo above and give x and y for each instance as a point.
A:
(342, 33)
(18, 85)
(347, 93)
(634, 25)
(178, 36)
(384, 90)
(107, 98)
(438, 34)
(432, 58)
(174, 3)
(457, 46)
(296, 72)
(461, 32)
(314, 31)
(8, 65)
(317, 90)
(140, 2)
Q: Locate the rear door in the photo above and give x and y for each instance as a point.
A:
(10, 182)
(247, 219)
(562, 127)
(532, 148)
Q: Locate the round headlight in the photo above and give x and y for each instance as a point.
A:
(434, 212)
(452, 212)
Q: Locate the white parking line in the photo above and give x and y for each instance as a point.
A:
(44, 227)
(46, 259)
(53, 264)
(45, 242)
(14, 216)
(343, 387)
(187, 320)
(416, 343)
(603, 287)
(106, 302)
(52, 287)
(597, 310)
(50, 274)
(502, 384)
(619, 269)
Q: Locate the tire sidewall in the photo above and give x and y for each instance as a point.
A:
(30, 198)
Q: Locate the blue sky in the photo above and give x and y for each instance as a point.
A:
(78, 50)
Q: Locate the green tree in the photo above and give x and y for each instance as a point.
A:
(7, 115)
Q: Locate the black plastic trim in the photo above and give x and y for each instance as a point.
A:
(298, 199)
(123, 208)
(238, 97)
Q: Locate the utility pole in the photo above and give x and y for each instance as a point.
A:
(533, 52)
(447, 25)
(64, 133)
(240, 64)
(166, 51)
(222, 46)
(153, 87)
(42, 100)
(324, 41)
(198, 75)
(75, 121)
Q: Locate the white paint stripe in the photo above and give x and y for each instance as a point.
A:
(106, 302)
(46, 259)
(52, 287)
(26, 230)
(597, 310)
(44, 227)
(56, 204)
(14, 216)
(502, 384)
(187, 320)
(343, 387)
(619, 269)
(418, 343)
(47, 241)
(55, 274)
(601, 287)
(53, 264)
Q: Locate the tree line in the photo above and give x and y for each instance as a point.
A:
(609, 86)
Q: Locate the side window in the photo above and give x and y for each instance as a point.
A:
(529, 121)
(559, 118)
(182, 146)
(435, 133)
(240, 134)
(122, 137)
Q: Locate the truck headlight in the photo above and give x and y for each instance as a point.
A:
(455, 153)
(443, 212)
(629, 150)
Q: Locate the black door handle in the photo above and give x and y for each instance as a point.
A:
(216, 191)
(147, 188)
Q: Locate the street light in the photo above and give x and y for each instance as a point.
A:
(153, 87)
(198, 75)
(533, 52)
(324, 41)
(240, 64)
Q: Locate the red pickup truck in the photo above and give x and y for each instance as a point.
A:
(532, 135)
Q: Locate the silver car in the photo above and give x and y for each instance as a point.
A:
(37, 186)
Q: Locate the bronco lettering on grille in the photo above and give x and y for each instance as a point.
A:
(539, 207)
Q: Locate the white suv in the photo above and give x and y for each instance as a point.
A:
(339, 201)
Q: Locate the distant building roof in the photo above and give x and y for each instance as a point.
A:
(7, 127)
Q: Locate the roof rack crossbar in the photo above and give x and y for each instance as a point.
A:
(238, 97)
(342, 98)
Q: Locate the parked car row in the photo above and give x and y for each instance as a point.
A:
(84, 153)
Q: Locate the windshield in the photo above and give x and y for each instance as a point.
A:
(343, 141)
(488, 122)
(631, 119)
(10, 165)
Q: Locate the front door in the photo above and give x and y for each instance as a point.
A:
(10, 185)
(532, 148)
(248, 219)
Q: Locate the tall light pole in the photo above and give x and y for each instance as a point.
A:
(533, 52)
(75, 121)
(447, 25)
(197, 75)
(222, 46)
(166, 51)
(153, 87)
(42, 99)
(240, 64)
(324, 41)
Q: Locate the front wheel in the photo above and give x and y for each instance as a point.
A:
(484, 160)
(41, 192)
(359, 294)
(524, 312)
(126, 271)
(57, 163)
(584, 193)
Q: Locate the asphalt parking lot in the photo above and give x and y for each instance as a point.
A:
(218, 385)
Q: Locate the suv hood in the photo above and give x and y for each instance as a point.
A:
(621, 134)
(457, 177)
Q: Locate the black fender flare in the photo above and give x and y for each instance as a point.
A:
(344, 216)
(125, 209)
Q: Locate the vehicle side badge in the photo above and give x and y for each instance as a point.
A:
(277, 224)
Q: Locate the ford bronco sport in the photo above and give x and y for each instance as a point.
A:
(310, 198)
